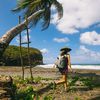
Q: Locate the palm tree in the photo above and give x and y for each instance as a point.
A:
(35, 10)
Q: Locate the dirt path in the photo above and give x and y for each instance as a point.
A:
(17, 71)
(43, 72)
(76, 93)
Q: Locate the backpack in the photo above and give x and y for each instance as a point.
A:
(62, 62)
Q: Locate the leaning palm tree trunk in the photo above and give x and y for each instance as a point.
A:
(9, 35)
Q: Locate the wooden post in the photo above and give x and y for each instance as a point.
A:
(28, 49)
(20, 41)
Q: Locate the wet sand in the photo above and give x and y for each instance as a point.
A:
(43, 72)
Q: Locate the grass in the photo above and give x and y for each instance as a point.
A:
(49, 97)
(25, 94)
(77, 98)
(25, 90)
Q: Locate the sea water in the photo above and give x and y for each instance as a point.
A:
(78, 66)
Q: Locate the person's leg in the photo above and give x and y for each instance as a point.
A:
(65, 82)
(62, 80)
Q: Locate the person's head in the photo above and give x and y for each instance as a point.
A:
(64, 50)
(63, 53)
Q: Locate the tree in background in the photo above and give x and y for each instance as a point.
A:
(35, 10)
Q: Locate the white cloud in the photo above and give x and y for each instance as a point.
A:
(24, 39)
(29, 30)
(60, 40)
(85, 55)
(49, 60)
(44, 51)
(90, 53)
(84, 49)
(91, 38)
(78, 14)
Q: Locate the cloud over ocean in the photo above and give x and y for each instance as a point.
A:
(93, 67)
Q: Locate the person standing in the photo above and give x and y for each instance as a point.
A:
(63, 63)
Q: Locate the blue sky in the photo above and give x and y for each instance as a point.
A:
(79, 29)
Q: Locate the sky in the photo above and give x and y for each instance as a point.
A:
(79, 29)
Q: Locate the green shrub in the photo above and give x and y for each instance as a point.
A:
(37, 79)
(48, 97)
(25, 94)
(87, 82)
(11, 56)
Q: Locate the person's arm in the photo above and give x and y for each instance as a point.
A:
(55, 64)
(69, 62)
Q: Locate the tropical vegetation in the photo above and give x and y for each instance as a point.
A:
(27, 91)
(11, 56)
(35, 10)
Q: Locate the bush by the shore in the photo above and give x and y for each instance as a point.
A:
(11, 56)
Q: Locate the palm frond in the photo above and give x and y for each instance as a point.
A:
(22, 4)
(46, 19)
(59, 8)
(31, 6)
(35, 20)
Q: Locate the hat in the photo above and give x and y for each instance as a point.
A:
(65, 49)
(63, 52)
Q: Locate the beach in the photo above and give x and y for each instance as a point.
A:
(76, 93)
(44, 72)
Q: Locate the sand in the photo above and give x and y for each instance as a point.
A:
(43, 72)
(78, 93)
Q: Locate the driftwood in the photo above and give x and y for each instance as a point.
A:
(6, 88)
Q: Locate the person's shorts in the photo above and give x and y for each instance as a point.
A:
(63, 71)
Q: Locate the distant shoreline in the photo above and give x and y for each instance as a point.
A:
(87, 67)
(75, 66)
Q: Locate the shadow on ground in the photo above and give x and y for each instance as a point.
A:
(95, 98)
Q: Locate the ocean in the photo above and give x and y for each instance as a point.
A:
(79, 66)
